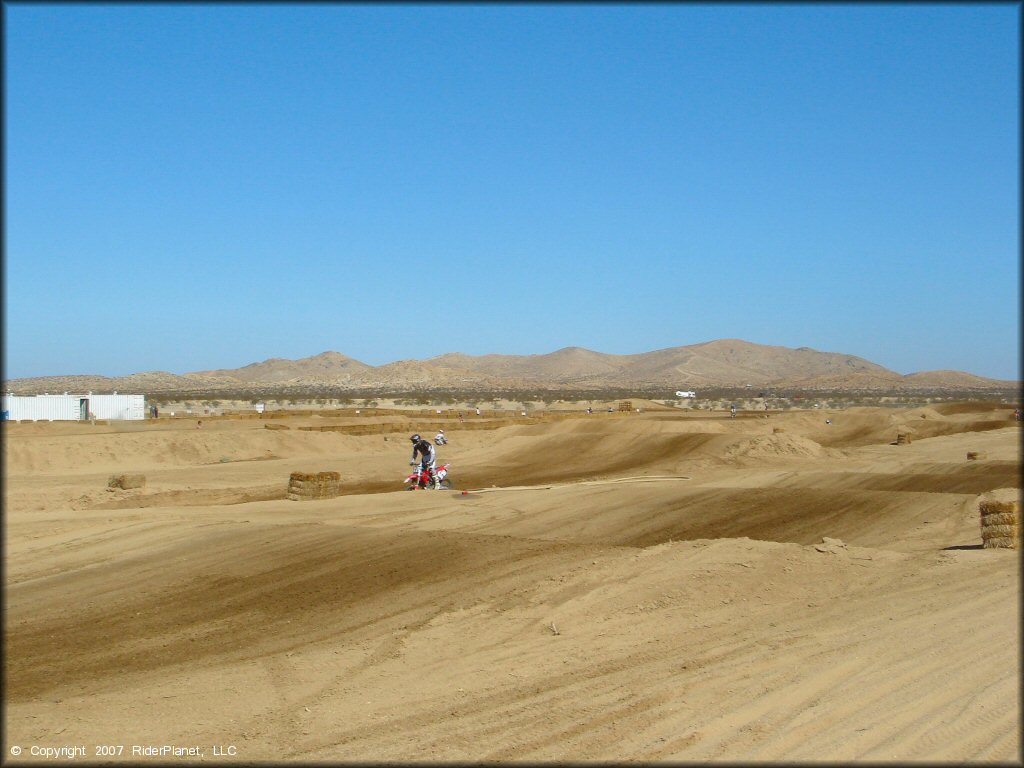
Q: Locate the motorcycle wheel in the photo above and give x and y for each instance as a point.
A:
(446, 485)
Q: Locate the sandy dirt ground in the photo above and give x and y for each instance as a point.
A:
(654, 586)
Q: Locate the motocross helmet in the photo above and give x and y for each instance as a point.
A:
(415, 438)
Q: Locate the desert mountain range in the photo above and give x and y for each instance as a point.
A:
(714, 364)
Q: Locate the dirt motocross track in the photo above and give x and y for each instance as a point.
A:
(657, 586)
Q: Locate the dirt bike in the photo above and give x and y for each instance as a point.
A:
(419, 480)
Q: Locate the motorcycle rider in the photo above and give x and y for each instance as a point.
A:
(440, 439)
(428, 459)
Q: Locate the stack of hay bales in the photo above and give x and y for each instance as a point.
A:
(975, 455)
(903, 436)
(306, 486)
(1000, 518)
(777, 430)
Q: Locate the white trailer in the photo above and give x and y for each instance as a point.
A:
(689, 393)
(118, 407)
(68, 407)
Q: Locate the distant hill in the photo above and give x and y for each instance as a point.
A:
(714, 364)
(327, 366)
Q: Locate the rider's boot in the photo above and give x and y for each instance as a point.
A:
(435, 483)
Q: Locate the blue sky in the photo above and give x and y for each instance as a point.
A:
(205, 186)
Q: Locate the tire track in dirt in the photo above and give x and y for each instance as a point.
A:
(243, 593)
(197, 497)
(83, 549)
(560, 705)
(975, 477)
(513, 712)
(511, 563)
(643, 517)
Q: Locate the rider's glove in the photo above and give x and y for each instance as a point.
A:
(411, 463)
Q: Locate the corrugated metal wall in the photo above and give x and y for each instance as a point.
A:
(69, 407)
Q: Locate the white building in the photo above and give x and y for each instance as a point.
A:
(73, 407)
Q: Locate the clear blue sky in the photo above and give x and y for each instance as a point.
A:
(205, 186)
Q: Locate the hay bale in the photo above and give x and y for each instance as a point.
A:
(305, 486)
(777, 430)
(974, 455)
(999, 531)
(127, 482)
(1011, 541)
(1007, 543)
(276, 426)
(1000, 519)
(903, 438)
(996, 506)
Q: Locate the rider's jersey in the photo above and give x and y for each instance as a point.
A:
(425, 448)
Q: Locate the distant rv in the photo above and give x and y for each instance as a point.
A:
(689, 393)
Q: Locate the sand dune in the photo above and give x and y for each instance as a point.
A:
(648, 586)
